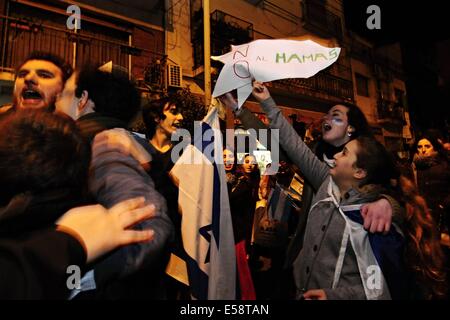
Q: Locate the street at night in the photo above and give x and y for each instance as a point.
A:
(229, 158)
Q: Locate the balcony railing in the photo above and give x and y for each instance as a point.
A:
(226, 30)
(320, 83)
(390, 111)
(318, 19)
(21, 37)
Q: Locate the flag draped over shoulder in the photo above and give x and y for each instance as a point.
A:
(206, 227)
(379, 257)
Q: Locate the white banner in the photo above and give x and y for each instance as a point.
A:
(269, 60)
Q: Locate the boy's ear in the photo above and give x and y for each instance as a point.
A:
(82, 103)
(360, 174)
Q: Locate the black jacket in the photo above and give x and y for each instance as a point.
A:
(33, 256)
(433, 182)
(35, 267)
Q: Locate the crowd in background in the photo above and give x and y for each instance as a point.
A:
(74, 177)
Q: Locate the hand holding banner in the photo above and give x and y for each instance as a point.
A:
(268, 60)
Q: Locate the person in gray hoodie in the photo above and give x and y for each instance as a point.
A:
(337, 260)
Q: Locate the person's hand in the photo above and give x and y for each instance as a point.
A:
(229, 101)
(316, 294)
(260, 91)
(101, 230)
(122, 141)
(377, 216)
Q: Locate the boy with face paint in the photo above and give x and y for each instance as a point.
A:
(336, 131)
(342, 123)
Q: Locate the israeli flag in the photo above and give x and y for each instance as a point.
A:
(379, 257)
(206, 227)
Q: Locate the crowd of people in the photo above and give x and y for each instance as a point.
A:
(79, 187)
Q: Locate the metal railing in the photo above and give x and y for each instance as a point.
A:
(329, 82)
(19, 37)
(320, 83)
(226, 30)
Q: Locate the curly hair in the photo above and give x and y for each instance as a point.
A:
(154, 111)
(424, 253)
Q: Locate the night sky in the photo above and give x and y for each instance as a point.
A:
(423, 30)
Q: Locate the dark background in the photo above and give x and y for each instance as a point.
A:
(423, 30)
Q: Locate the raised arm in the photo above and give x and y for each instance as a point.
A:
(314, 170)
(250, 121)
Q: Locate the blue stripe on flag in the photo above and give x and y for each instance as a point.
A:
(198, 280)
(389, 252)
(216, 186)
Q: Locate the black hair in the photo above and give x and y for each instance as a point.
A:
(233, 151)
(66, 69)
(154, 110)
(438, 147)
(41, 151)
(113, 94)
(378, 163)
(357, 120)
(253, 178)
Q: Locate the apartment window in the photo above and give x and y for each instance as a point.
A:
(362, 85)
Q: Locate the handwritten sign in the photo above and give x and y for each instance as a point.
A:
(268, 60)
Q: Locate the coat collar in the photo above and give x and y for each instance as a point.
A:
(364, 194)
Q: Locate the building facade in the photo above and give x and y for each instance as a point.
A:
(368, 76)
(160, 43)
(128, 33)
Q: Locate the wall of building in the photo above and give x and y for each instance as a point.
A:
(148, 11)
(285, 20)
(105, 31)
(277, 23)
(367, 104)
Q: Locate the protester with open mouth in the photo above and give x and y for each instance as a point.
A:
(104, 104)
(162, 118)
(39, 79)
(337, 252)
(342, 123)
